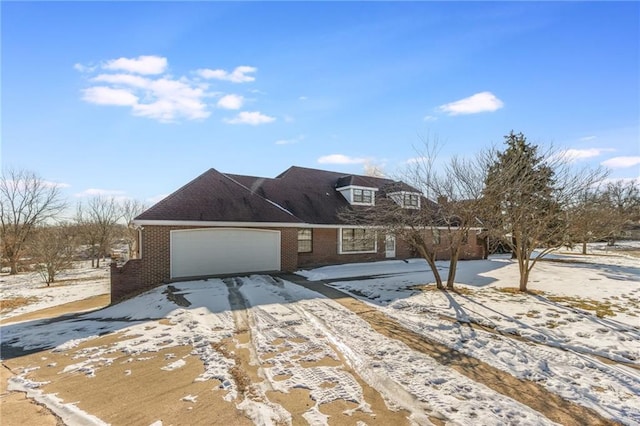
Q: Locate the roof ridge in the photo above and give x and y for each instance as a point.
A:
(260, 196)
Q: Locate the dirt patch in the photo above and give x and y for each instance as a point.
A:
(133, 390)
(18, 410)
(95, 302)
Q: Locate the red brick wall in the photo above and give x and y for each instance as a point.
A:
(325, 249)
(153, 268)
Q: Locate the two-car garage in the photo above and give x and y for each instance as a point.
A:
(217, 251)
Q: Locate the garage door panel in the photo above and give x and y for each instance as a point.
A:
(201, 252)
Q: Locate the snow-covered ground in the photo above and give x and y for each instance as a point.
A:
(588, 359)
(78, 283)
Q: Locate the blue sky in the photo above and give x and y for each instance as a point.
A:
(134, 99)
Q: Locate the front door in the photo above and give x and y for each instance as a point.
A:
(390, 245)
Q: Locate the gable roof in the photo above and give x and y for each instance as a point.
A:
(297, 195)
(215, 197)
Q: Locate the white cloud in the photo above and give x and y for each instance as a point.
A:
(303, 98)
(573, 155)
(622, 162)
(160, 98)
(103, 95)
(139, 65)
(341, 159)
(623, 180)
(238, 75)
(480, 102)
(252, 118)
(139, 83)
(430, 118)
(124, 79)
(95, 192)
(588, 138)
(297, 139)
(84, 68)
(231, 102)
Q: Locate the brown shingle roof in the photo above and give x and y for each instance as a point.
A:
(298, 195)
(215, 197)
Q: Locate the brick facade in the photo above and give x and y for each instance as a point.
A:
(325, 249)
(153, 267)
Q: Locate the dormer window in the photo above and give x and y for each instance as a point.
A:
(358, 195)
(407, 200)
(410, 200)
(363, 196)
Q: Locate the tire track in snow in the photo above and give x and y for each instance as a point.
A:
(526, 392)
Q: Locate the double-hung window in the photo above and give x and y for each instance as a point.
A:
(364, 196)
(305, 240)
(357, 240)
(411, 200)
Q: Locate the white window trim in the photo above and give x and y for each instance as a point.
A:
(375, 241)
(347, 193)
(310, 240)
(398, 197)
(139, 248)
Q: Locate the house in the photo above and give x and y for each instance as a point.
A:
(222, 223)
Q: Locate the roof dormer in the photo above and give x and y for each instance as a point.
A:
(356, 191)
(406, 199)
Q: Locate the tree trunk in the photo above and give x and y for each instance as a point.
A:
(451, 278)
(453, 265)
(436, 274)
(430, 258)
(523, 267)
(584, 247)
(13, 264)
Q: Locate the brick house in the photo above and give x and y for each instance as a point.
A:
(222, 223)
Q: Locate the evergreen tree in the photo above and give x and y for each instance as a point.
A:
(520, 203)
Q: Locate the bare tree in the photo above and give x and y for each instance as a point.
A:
(26, 200)
(588, 217)
(526, 199)
(457, 186)
(52, 248)
(432, 227)
(415, 226)
(98, 221)
(131, 209)
(622, 198)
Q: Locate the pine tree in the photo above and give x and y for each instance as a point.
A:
(520, 203)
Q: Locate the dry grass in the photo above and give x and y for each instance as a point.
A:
(432, 287)
(601, 309)
(7, 305)
(516, 290)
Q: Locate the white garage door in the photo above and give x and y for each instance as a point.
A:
(199, 252)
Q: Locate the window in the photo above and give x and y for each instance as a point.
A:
(411, 200)
(354, 240)
(436, 236)
(364, 196)
(305, 240)
(407, 200)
